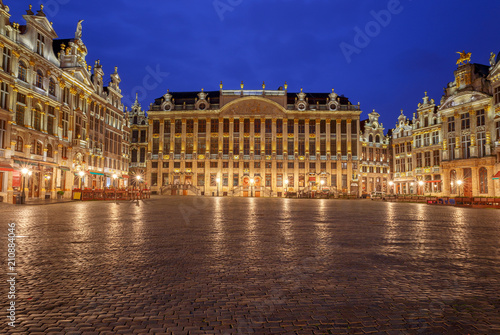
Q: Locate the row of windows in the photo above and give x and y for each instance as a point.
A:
(426, 122)
(37, 147)
(373, 154)
(427, 139)
(424, 159)
(256, 165)
(465, 120)
(400, 148)
(465, 146)
(373, 169)
(260, 146)
(245, 125)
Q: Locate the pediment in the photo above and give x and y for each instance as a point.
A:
(463, 98)
(252, 106)
(43, 24)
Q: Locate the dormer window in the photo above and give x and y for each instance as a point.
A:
(22, 71)
(40, 44)
(39, 79)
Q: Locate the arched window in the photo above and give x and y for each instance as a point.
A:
(483, 180)
(39, 79)
(19, 144)
(377, 139)
(135, 119)
(22, 72)
(453, 182)
(434, 121)
(52, 87)
(39, 148)
(370, 138)
(49, 150)
(426, 121)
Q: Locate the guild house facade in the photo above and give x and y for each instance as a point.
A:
(251, 143)
(59, 126)
(452, 149)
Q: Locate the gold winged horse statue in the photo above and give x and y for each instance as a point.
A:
(464, 57)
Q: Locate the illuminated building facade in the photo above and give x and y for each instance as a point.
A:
(375, 158)
(57, 120)
(455, 146)
(253, 143)
(402, 156)
(468, 133)
(139, 127)
(427, 139)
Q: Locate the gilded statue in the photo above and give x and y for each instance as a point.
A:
(464, 57)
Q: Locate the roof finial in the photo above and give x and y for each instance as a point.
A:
(220, 85)
(263, 85)
(286, 86)
(242, 85)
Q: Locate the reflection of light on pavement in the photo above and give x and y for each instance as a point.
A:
(284, 220)
(321, 227)
(251, 220)
(218, 227)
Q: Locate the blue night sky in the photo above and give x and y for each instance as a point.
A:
(199, 43)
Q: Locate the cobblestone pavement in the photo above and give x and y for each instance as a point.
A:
(189, 265)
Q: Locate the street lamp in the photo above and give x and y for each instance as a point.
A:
(286, 187)
(421, 183)
(459, 183)
(138, 184)
(81, 174)
(114, 186)
(391, 184)
(218, 182)
(24, 171)
(251, 187)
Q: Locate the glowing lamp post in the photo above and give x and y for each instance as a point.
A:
(218, 182)
(251, 187)
(139, 178)
(391, 184)
(25, 172)
(81, 174)
(286, 187)
(421, 183)
(459, 183)
(114, 182)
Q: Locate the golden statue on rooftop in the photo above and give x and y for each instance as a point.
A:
(464, 57)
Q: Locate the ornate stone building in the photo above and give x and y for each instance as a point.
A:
(402, 155)
(56, 117)
(139, 126)
(427, 148)
(494, 125)
(469, 134)
(253, 143)
(375, 158)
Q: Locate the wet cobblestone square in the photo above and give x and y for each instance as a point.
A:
(192, 265)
